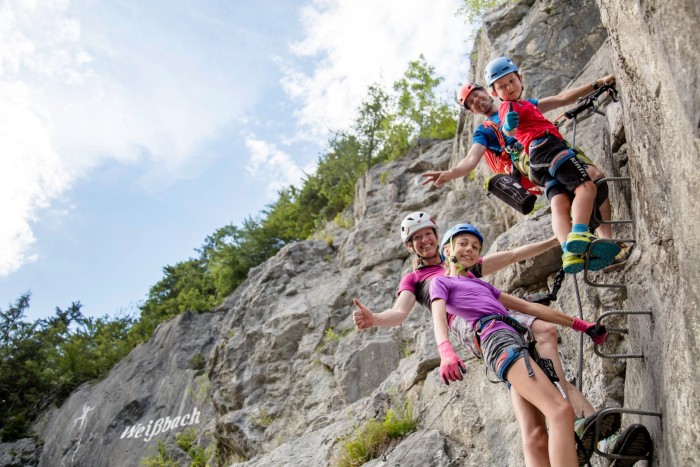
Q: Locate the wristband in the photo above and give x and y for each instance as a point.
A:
(595, 85)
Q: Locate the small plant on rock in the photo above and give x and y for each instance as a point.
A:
(374, 437)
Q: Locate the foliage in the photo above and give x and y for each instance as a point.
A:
(374, 437)
(418, 105)
(331, 336)
(41, 363)
(159, 457)
(186, 440)
(197, 361)
(474, 10)
(263, 419)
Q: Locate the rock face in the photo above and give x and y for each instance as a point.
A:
(277, 375)
(158, 390)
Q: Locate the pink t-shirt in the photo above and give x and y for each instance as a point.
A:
(532, 123)
(418, 283)
(471, 299)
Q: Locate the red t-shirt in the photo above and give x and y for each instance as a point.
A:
(532, 123)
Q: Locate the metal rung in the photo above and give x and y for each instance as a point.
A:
(616, 240)
(596, 435)
(599, 321)
(587, 255)
(626, 221)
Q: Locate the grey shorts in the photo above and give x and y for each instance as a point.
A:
(464, 333)
(501, 349)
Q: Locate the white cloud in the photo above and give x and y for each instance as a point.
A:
(357, 42)
(273, 166)
(31, 174)
(75, 92)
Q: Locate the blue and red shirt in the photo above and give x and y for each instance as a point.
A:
(531, 125)
(487, 137)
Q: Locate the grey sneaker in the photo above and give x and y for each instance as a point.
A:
(633, 441)
(585, 432)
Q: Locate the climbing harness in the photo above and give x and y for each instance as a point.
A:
(545, 364)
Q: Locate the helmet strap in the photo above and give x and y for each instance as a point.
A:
(453, 258)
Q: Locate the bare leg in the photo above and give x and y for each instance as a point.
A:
(544, 396)
(546, 337)
(561, 216)
(582, 407)
(533, 431)
(605, 230)
(582, 205)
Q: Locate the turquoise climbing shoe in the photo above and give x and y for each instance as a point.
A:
(605, 249)
(577, 242)
(596, 264)
(572, 263)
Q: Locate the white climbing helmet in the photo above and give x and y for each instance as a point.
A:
(414, 222)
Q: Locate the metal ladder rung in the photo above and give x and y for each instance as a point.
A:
(618, 331)
(625, 221)
(617, 240)
(596, 435)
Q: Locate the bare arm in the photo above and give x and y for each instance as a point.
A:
(364, 318)
(545, 313)
(466, 165)
(439, 311)
(569, 96)
(497, 261)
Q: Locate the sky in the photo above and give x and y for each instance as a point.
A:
(130, 131)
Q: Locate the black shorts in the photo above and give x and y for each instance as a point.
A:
(554, 166)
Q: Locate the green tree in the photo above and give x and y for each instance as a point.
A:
(41, 363)
(185, 286)
(474, 10)
(418, 105)
(370, 122)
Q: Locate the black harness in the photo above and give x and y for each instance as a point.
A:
(531, 350)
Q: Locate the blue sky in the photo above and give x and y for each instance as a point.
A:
(132, 130)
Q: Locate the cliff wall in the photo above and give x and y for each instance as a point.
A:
(277, 375)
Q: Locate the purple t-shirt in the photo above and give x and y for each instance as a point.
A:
(471, 299)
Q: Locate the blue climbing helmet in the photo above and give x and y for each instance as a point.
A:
(456, 230)
(497, 68)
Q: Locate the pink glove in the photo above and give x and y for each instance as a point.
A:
(451, 366)
(598, 334)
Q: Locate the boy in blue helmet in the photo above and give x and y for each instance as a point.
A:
(504, 350)
(553, 165)
(489, 143)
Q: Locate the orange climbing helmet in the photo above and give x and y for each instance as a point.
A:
(466, 90)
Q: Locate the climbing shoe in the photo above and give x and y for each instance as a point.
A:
(577, 242)
(584, 429)
(606, 250)
(571, 263)
(632, 441)
(596, 264)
